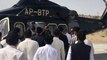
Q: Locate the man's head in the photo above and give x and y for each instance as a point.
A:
(39, 30)
(57, 32)
(27, 34)
(60, 28)
(48, 38)
(75, 30)
(81, 36)
(16, 29)
(12, 38)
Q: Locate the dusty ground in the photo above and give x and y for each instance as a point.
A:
(98, 37)
(99, 40)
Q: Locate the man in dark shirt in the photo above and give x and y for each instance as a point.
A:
(40, 37)
(64, 39)
(80, 51)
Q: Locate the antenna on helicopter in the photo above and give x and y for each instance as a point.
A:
(105, 2)
(104, 15)
(105, 11)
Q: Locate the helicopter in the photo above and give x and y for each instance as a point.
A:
(46, 13)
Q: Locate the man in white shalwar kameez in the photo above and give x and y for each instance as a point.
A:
(69, 38)
(28, 46)
(58, 44)
(10, 52)
(47, 52)
(3, 42)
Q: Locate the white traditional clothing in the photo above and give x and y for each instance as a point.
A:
(69, 38)
(11, 53)
(3, 42)
(59, 45)
(87, 42)
(29, 47)
(46, 52)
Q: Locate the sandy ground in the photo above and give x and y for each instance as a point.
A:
(99, 40)
(98, 37)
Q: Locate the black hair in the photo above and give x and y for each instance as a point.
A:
(77, 29)
(16, 29)
(12, 38)
(48, 38)
(60, 28)
(57, 32)
(39, 30)
(27, 34)
(81, 36)
(46, 32)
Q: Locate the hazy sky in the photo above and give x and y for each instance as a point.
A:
(88, 7)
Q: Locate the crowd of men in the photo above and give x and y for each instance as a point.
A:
(39, 44)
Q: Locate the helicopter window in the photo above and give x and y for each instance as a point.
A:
(36, 24)
(52, 27)
(40, 24)
(21, 26)
(4, 26)
(64, 26)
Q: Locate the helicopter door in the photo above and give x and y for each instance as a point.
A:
(4, 26)
(52, 27)
(35, 24)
